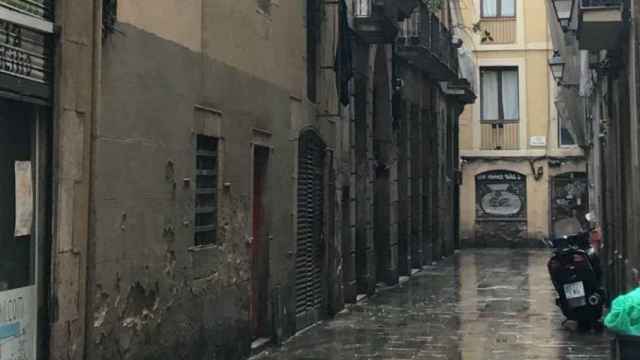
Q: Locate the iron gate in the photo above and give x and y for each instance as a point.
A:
(310, 297)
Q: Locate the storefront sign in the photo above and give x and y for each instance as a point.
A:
(18, 324)
(501, 195)
(24, 53)
(42, 9)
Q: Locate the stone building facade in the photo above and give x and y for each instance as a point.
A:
(521, 162)
(599, 47)
(217, 175)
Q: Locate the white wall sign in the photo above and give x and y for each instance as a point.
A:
(538, 141)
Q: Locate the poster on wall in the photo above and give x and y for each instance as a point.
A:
(24, 198)
(18, 324)
(501, 195)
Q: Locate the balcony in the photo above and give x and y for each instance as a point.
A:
(406, 7)
(502, 30)
(601, 24)
(500, 135)
(427, 44)
(374, 21)
(461, 90)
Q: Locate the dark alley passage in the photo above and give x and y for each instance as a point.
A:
(478, 305)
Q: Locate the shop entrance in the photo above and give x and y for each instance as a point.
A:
(23, 213)
(569, 203)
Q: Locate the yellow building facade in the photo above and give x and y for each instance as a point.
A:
(523, 178)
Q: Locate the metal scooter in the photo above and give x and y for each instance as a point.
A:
(577, 276)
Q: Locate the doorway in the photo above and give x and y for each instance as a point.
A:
(24, 210)
(348, 249)
(259, 308)
(569, 203)
(311, 297)
(383, 152)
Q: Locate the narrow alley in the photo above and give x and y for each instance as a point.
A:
(319, 179)
(478, 304)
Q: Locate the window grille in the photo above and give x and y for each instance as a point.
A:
(206, 211)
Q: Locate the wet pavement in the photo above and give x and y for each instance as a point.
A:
(480, 304)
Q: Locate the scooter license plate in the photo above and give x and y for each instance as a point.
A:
(574, 290)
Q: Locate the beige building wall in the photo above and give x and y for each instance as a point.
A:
(235, 70)
(537, 134)
(263, 47)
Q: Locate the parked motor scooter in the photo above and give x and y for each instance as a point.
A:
(577, 276)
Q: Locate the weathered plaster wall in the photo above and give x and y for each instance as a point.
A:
(152, 292)
(73, 119)
(540, 107)
(270, 46)
(174, 20)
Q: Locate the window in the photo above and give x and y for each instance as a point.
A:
(565, 132)
(498, 8)
(206, 210)
(499, 94)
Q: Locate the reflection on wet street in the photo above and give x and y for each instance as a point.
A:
(481, 304)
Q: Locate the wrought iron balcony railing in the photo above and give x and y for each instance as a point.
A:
(600, 3)
(424, 29)
(375, 20)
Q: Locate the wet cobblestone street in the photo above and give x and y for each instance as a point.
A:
(480, 304)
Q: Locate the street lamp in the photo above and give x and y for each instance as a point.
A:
(557, 67)
(564, 12)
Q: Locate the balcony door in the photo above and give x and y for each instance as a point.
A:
(500, 108)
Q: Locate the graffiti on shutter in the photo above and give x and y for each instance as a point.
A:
(569, 203)
(310, 248)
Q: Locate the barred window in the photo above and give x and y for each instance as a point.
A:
(206, 210)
